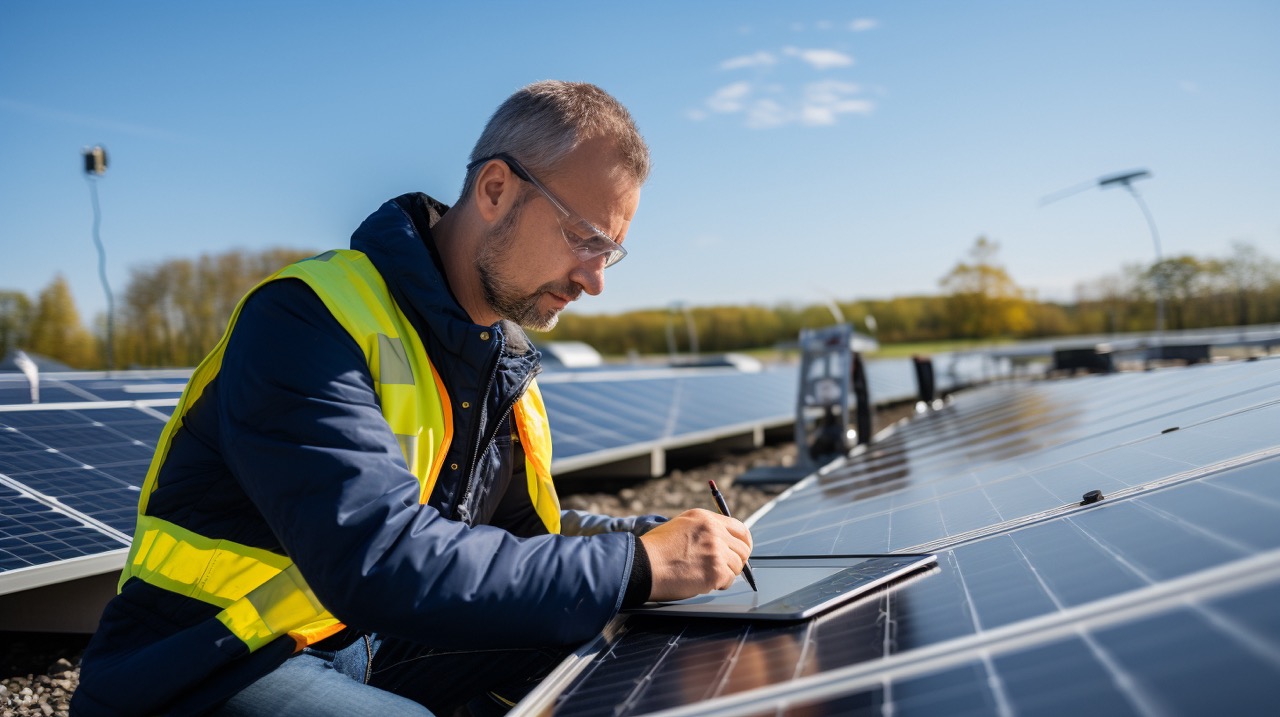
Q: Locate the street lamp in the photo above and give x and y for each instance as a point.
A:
(95, 165)
(676, 308)
(1126, 179)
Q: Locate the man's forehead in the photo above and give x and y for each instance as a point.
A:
(596, 185)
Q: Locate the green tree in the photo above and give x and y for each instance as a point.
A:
(1247, 276)
(1180, 278)
(56, 330)
(983, 300)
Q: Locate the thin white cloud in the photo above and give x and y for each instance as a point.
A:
(766, 107)
(823, 25)
(759, 59)
(1189, 87)
(829, 91)
(820, 59)
(823, 102)
(730, 98)
(766, 113)
(101, 123)
(863, 24)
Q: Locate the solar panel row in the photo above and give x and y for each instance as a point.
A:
(80, 463)
(1160, 599)
(79, 457)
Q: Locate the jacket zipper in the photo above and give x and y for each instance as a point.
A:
(482, 403)
(475, 456)
(368, 665)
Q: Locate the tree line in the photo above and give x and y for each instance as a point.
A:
(173, 312)
(978, 299)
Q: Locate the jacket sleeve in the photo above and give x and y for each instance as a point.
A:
(516, 512)
(580, 522)
(303, 434)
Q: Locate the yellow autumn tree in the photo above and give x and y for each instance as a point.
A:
(174, 311)
(56, 330)
(983, 301)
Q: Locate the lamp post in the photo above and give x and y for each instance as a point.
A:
(95, 165)
(676, 308)
(1126, 180)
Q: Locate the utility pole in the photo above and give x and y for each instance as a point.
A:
(95, 165)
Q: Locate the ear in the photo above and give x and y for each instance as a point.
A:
(495, 190)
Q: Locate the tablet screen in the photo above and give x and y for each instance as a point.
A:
(796, 587)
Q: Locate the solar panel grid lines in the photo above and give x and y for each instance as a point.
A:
(594, 419)
(72, 472)
(79, 386)
(60, 508)
(1182, 510)
(909, 515)
(819, 491)
(1182, 598)
(955, 539)
(36, 532)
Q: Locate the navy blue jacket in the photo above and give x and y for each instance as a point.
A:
(287, 450)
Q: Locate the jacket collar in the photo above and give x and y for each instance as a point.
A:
(397, 239)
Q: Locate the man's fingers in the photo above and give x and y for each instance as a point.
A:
(739, 530)
(695, 552)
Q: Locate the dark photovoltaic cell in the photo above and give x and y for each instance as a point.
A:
(1159, 599)
(33, 533)
(74, 475)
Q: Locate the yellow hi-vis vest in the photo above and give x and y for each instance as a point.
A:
(262, 593)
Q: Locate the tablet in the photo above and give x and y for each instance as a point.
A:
(794, 588)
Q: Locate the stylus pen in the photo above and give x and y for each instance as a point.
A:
(724, 510)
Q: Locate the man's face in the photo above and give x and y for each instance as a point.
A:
(528, 272)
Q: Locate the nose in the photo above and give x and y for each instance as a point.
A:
(589, 275)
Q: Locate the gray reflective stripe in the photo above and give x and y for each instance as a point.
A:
(393, 362)
(409, 447)
(325, 256)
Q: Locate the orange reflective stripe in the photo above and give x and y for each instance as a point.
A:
(535, 437)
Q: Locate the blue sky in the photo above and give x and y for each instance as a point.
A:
(801, 150)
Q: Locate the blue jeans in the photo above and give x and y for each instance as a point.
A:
(403, 678)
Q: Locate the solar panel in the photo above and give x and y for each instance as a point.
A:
(70, 474)
(597, 416)
(80, 386)
(1159, 599)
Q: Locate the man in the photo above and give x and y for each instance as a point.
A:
(351, 510)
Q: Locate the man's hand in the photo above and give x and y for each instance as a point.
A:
(695, 552)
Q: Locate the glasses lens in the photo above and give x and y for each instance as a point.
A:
(588, 244)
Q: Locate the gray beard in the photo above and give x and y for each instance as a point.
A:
(506, 300)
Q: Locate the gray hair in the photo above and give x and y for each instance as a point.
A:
(543, 122)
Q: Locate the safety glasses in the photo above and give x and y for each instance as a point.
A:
(585, 240)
